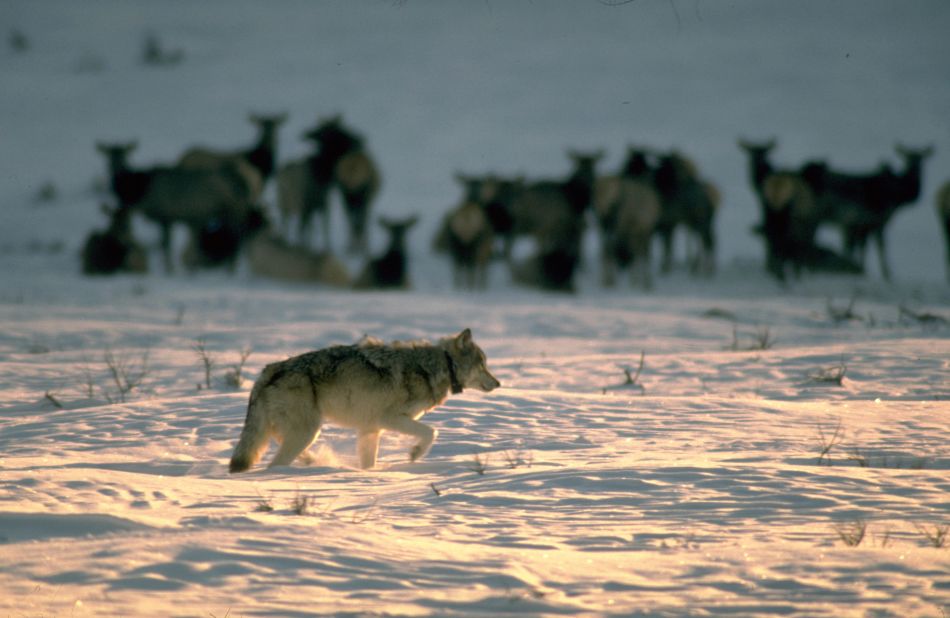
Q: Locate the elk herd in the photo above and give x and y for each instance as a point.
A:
(218, 197)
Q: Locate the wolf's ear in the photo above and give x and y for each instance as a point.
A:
(464, 338)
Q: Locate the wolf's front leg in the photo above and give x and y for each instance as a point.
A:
(367, 447)
(404, 424)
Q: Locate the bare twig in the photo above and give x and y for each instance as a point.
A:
(828, 443)
(206, 360)
(53, 400)
(125, 375)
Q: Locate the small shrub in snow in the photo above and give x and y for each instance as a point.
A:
(761, 339)
(830, 375)
(852, 533)
(302, 504)
(126, 375)
(479, 464)
(936, 536)
(839, 315)
(207, 361)
(518, 458)
(235, 375)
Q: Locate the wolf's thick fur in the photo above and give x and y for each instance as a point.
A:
(369, 386)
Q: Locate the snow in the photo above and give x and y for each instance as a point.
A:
(699, 490)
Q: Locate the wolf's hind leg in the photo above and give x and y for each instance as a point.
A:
(293, 446)
(406, 425)
(367, 447)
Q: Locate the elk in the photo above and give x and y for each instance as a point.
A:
(863, 204)
(759, 165)
(169, 195)
(391, 269)
(302, 193)
(627, 208)
(114, 249)
(943, 214)
(219, 241)
(340, 161)
(542, 207)
(687, 200)
(791, 220)
(270, 256)
(352, 171)
(469, 239)
(258, 160)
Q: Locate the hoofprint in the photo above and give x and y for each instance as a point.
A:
(369, 386)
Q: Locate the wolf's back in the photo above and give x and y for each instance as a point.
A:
(254, 436)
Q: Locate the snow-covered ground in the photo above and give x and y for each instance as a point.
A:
(698, 490)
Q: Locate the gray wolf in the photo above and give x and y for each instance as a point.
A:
(369, 386)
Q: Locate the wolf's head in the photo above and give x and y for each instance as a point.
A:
(470, 363)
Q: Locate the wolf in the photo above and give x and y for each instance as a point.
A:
(369, 386)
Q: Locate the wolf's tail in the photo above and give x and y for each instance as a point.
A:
(255, 435)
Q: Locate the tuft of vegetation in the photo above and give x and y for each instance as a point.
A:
(207, 361)
(235, 375)
(936, 535)
(518, 458)
(126, 375)
(761, 339)
(828, 442)
(479, 464)
(830, 375)
(631, 377)
(852, 533)
(839, 315)
(301, 504)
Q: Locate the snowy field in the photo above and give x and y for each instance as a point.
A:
(770, 456)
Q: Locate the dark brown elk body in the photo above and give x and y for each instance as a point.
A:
(943, 215)
(256, 162)
(863, 204)
(391, 269)
(170, 195)
(114, 249)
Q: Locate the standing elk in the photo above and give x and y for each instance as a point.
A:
(686, 200)
(943, 214)
(627, 208)
(340, 160)
(863, 204)
(169, 195)
(259, 159)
